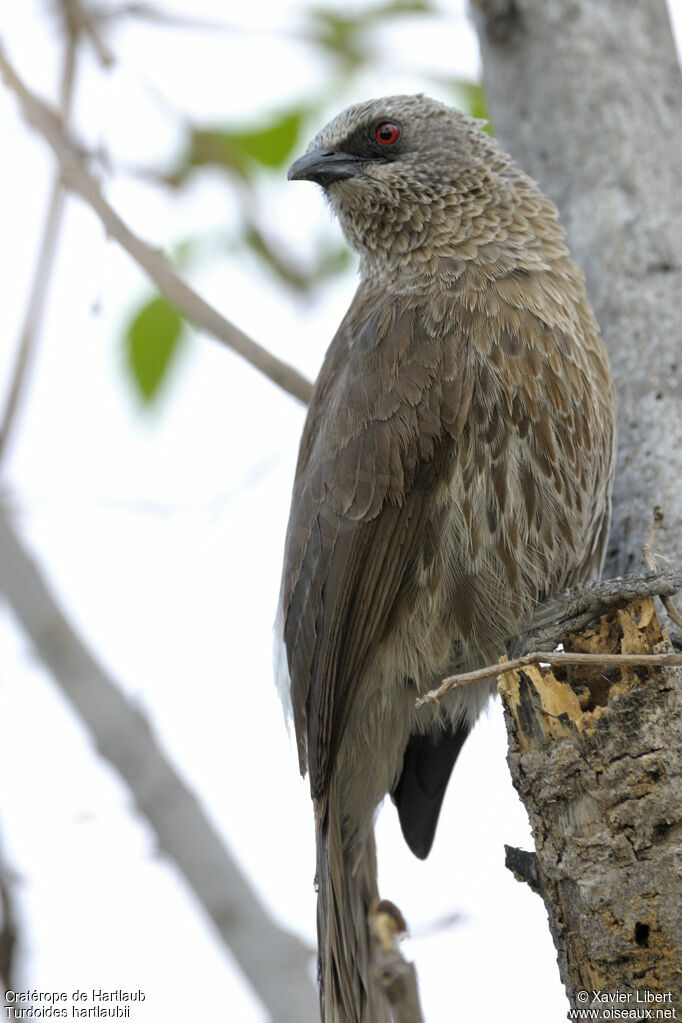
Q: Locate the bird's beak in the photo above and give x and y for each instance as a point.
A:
(324, 166)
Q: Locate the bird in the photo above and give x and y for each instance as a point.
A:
(454, 472)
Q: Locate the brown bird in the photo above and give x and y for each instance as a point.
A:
(454, 471)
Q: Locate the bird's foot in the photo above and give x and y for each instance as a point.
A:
(574, 609)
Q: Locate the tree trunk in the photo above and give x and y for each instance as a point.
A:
(596, 755)
(587, 96)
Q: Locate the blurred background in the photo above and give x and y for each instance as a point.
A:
(145, 473)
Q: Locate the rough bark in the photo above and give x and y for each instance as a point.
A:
(596, 756)
(588, 98)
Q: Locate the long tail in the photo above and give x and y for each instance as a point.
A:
(347, 888)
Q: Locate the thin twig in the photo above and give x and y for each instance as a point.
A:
(649, 562)
(149, 12)
(44, 265)
(548, 657)
(647, 558)
(79, 20)
(77, 177)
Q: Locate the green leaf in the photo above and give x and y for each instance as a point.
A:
(340, 35)
(345, 35)
(243, 151)
(152, 341)
(332, 261)
(272, 145)
(328, 261)
(473, 100)
(470, 97)
(281, 266)
(397, 7)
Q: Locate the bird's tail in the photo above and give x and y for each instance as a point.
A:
(346, 889)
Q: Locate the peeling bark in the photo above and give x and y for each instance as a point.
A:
(596, 756)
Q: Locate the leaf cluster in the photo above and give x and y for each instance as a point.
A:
(246, 155)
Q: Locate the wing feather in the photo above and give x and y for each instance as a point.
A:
(365, 466)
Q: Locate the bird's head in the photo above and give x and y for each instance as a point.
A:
(408, 178)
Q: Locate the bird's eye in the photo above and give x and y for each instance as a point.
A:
(387, 133)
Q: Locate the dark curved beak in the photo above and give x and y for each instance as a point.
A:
(323, 166)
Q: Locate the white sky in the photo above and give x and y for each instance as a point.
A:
(162, 533)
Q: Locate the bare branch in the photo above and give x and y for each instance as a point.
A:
(8, 928)
(548, 657)
(44, 265)
(552, 618)
(274, 961)
(76, 176)
(79, 20)
(149, 12)
(572, 611)
(524, 866)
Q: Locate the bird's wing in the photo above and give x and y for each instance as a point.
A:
(387, 407)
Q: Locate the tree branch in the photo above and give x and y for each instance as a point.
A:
(572, 611)
(44, 265)
(81, 21)
(274, 961)
(556, 657)
(396, 977)
(76, 177)
(8, 927)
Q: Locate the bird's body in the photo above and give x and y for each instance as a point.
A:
(454, 471)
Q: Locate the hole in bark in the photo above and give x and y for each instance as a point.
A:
(660, 832)
(598, 688)
(642, 935)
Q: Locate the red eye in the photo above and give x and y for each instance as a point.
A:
(387, 133)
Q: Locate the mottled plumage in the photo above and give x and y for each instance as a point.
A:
(455, 469)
